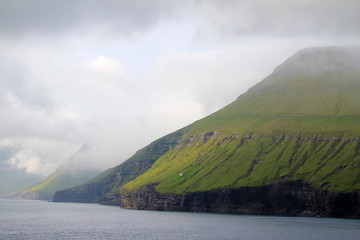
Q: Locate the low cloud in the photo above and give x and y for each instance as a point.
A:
(205, 81)
(219, 19)
(116, 75)
(36, 155)
(21, 18)
(229, 19)
(29, 161)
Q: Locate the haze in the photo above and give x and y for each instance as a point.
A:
(116, 75)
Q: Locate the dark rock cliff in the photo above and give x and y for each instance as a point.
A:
(283, 197)
(87, 193)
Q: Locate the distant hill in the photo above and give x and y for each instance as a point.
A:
(289, 145)
(67, 175)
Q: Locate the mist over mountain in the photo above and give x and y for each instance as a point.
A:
(74, 171)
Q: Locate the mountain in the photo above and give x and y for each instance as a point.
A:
(69, 174)
(289, 145)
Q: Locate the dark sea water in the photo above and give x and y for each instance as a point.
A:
(21, 219)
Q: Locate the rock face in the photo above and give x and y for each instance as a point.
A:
(88, 193)
(282, 197)
(91, 193)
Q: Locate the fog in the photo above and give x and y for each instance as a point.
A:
(117, 75)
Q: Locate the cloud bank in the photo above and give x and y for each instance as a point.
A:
(116, 75)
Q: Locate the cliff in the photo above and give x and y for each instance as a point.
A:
(281, 197)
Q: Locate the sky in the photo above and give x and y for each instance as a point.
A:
(116, 75)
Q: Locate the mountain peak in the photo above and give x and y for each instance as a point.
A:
(322, 59)
(321, 81)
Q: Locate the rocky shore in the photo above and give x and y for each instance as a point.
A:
(283, 198)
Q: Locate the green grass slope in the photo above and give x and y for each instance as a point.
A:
(302, 122)
(237, 151)
(315, 81)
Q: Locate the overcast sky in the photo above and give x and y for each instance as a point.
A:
(117, 75)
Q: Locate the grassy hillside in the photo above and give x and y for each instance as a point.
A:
(319, 82)
(302, 122)
(237, 151)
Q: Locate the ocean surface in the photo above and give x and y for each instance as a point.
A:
(21, 219)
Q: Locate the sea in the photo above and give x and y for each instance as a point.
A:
(24, 219)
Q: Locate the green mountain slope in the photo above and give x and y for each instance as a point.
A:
(238, 151)
(289, 145)
(67, 175)
(302, 122)
(315, 81)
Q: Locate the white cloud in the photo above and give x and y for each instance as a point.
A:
(37, 155)
(231, 19)
(28, 160)
(103, 74)
(211, 79)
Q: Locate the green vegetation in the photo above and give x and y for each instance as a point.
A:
(236, 151)
(330, 93)
(302, 122)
